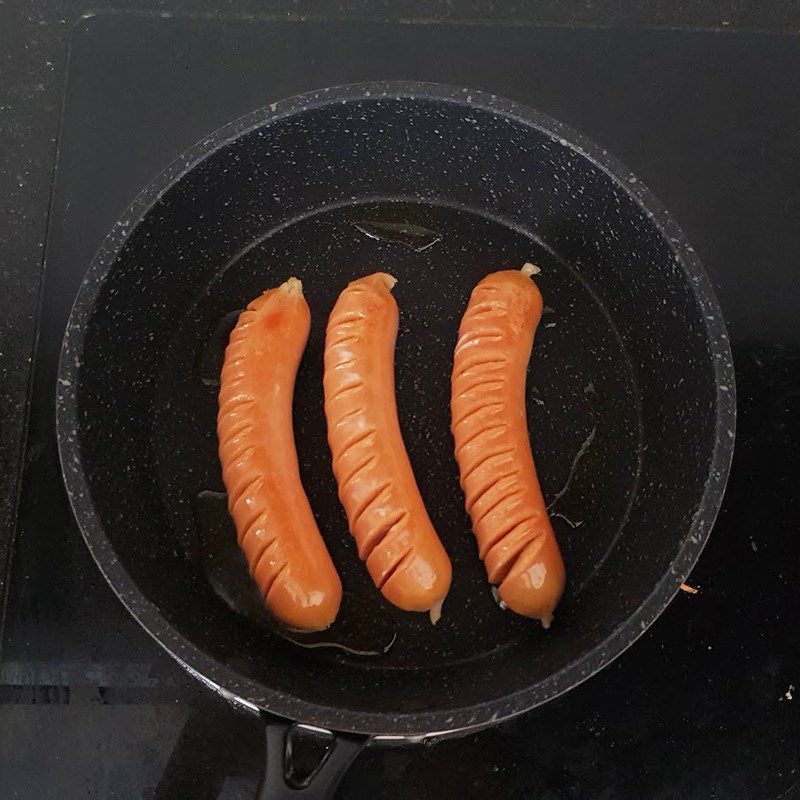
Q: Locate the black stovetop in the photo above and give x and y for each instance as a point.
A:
(703, 705)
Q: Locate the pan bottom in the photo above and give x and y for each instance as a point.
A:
(583, 409)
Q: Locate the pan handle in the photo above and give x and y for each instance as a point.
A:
(305, 762)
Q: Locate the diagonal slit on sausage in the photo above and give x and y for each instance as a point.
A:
(275, 525)
(490, 429)
(386, 514)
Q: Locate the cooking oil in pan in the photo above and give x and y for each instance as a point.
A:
(415, 237)
(574, 501)
(589, 478)
(225, 568)
(208, 364)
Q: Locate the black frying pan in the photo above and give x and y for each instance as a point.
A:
(631, 398)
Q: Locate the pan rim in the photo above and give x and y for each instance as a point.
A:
(228, 681)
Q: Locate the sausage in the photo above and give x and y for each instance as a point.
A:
(503, 498)
(387, 517)
(274, 522)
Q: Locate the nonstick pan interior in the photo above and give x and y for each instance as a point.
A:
(583, 410)
(438, 189)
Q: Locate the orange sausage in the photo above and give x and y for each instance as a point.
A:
(503, 498)
(275, 525)
(387, 517)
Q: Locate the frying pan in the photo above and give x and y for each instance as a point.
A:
(630, 402)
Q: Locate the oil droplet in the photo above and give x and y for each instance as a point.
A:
(499, 600)
(587, 443)
(407, 234)
(572, 502)
(536, 397)
(572, 523)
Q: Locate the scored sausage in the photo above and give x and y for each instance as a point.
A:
(489, 424)
(386, 514)
(274, 522)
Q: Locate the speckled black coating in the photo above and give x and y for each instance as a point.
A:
(638, 349)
